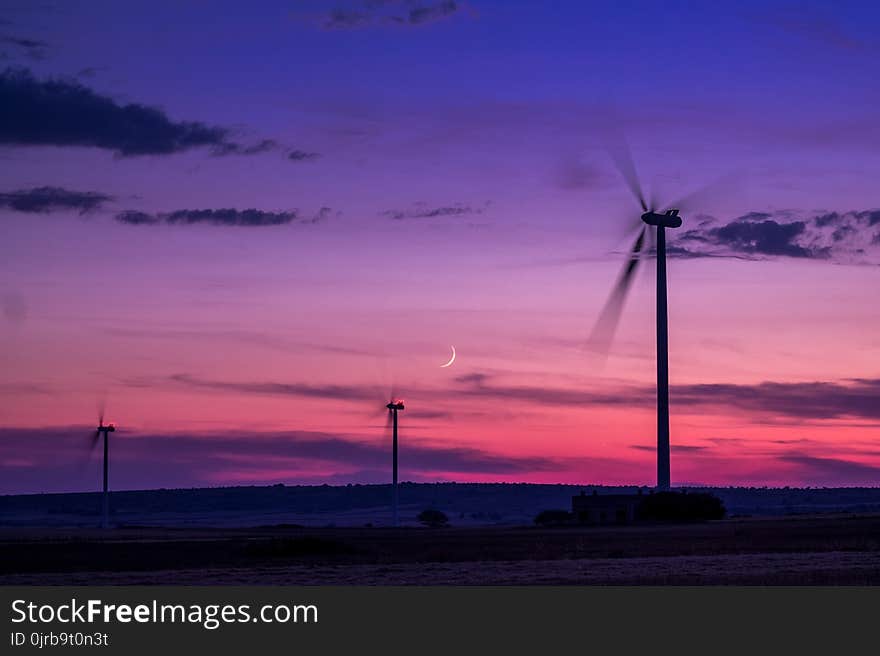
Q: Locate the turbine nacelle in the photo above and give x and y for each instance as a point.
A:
(669, 219)
(395, 405)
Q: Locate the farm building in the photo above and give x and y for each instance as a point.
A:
(605, 508)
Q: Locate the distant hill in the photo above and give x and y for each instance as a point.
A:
(343, 505)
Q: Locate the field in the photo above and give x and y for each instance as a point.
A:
(339, 535)
(790, 551)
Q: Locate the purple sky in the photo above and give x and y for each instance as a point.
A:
(241, 223)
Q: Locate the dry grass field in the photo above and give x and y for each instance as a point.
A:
(841, 549)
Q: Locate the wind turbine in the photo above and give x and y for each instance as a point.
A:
(104, 431)
(394, 406)
(652, 224)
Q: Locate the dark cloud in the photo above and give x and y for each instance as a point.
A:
(855, 398)
(63, 112)
(422, 211)
(32, 48)
(762, 237)
(799, 401)
(475, 378)
(806, 401)
(134, 217)
(833, 236)
(473, 385)
(834, 471)
(49, 199)
(342, 19)
(370, 13)
(219, 217)
(50, 459)
(302, 156)
(264, 146)
(429, 13)
(830, 218)
(680, 252)
(321, 215)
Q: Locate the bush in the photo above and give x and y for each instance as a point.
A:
(553, 518)
(681, 507)
(433, 518)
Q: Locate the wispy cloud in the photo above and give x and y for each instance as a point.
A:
(302, 156)
(372, 13)
(249, 338)
(431, 12)
(821, 28)
(221, 217)
(484, 385)
(856, 398)
(50, 199)
(270, 388)
(264, 146)
(421, 210)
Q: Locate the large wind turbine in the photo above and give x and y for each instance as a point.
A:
(653, 224)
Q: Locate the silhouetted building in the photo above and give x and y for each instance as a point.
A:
(606, 508)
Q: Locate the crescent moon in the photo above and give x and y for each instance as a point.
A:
(451, 360)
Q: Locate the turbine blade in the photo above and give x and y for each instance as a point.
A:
(85, 458)
(618, 148)
(727, 186)
(388, 420)
(606, 325)
(653, 199)
(630, 224)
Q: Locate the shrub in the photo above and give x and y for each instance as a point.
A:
(433, 518)
(553, 518)
(681, 507)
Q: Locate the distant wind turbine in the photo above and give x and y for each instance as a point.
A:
(104, 431)
(394, 406)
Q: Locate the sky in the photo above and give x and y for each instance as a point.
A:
(242, 227)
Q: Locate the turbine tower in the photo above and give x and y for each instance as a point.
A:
(668, 219)
(394, 407)
(104, 431)
(652, 224)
